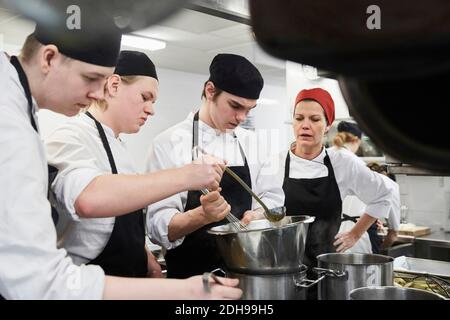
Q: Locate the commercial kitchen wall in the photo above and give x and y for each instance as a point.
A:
(427, 199)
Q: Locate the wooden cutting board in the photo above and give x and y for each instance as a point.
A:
(415, 231)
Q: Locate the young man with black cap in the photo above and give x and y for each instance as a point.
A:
(99, 194)
(317, 179)
(62, 76)
(180, 223)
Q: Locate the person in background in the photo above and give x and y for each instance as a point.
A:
(99, 195)
(53, 73)
(393, 220)
(349, 138)
(180, 223)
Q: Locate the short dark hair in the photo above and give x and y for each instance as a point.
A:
(217, 91)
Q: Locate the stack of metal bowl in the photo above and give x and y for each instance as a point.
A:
(267, 258)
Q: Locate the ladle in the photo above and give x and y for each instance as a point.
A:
(273, 215)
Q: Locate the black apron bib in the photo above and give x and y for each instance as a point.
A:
(318, 197)
(52, 171)
(124, 255)
(199, 253)
(375, 240)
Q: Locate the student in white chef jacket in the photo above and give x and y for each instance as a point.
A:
(348, 139)
(51, 73)
(99, 194)
(316, 180)
(179, 223)
(355, 208)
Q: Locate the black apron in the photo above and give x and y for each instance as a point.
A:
(199, 253)
(318, 197)
(52, 171)
(375, 239)
(124, 255)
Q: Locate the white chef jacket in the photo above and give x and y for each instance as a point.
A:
(76, 150)
(31, 267)
(173, 148)
(352, 177)
(352, 206)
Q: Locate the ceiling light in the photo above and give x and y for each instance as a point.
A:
(140, 42)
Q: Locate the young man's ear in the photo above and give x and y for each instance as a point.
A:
(112, 85)
(48, 54)
(210, 89)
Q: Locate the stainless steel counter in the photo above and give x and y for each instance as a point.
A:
(435, 246)
(438, 237)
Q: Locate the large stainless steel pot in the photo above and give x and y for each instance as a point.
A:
(341, 273)
(392, 293)
(264, 248)
(284, 286)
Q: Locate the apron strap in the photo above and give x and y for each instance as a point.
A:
(26, 87)
(195, 137)
(326, 160)
(346, 217)
(287, 164)
(104, 142)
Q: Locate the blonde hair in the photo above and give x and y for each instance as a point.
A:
(103, 104)
(342, 138)
(30, 48)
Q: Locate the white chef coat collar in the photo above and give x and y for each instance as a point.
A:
(319, 159)
(108, 131)
(206, 129)
(7, 57)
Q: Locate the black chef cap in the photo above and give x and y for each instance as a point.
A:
(350, 127)
(236, 75)
(135, 63)
(89, 43)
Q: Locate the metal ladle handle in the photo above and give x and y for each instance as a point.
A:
(249, 190)
(197, 149)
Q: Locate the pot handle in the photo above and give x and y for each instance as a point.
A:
(306, 283)
(330, 272)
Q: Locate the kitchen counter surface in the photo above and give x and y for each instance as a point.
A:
(437, 236)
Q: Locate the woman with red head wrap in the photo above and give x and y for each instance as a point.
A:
(316, 180)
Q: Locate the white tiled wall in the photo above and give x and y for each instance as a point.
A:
(427, 200)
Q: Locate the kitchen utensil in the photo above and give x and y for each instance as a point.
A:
(281, 286)
(235, 222)
(347, 271)
(274, 214)
(264, 249)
